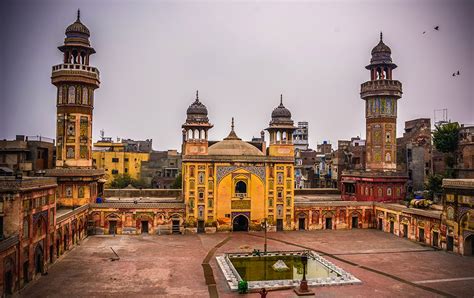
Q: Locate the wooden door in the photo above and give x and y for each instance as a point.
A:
(301, 223)
(279, 224)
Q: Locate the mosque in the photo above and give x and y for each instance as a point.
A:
(228, 185)
(234, 183)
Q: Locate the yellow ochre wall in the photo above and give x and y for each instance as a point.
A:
(263, 196)
(103, 160)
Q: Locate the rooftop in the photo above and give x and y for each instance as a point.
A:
(11, 183)
(458, 183)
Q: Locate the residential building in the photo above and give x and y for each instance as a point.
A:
(414, 153)
(161, 169)
(31, 155)
(119, 158)
(300, 136)
(465, 163)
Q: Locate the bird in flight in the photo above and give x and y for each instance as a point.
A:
(436, 28)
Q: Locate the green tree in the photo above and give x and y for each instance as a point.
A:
(446, 140)
(124, 180)
(434, 185)
(178, 182)
(121, 181)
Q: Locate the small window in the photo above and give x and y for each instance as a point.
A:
(126, 159)
(280, 178)
(240, 187)
(80, 192)
(114, 172)
(126, 170)
(115, 159)
(201, 177)
(389, 191)
(69, 192)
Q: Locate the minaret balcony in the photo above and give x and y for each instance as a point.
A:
(75, 73)
(381, 87)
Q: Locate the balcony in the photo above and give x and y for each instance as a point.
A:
(87, 73)
(240, 195)
(381, 87)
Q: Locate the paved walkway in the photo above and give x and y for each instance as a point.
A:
(184, 265)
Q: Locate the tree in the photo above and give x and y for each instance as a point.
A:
(124, 180)
(178, 182)
(446, 137)
(446, 140)
(434, 185)
(121, 181)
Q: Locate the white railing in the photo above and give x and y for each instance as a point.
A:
(68, 66)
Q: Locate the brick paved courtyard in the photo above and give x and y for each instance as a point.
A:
(171, 265)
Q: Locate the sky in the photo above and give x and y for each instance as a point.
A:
(240, 55)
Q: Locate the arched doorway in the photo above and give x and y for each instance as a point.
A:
(241, 223)
(39, 260)
(469, 245)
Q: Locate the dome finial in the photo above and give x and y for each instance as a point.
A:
(232, 135)
(197, 95)
(381, 36)
(281, 99)
(78, 15)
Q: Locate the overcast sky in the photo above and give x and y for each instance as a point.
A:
(153, 55)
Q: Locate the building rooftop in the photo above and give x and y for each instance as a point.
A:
(433, 213)
(458, 183)
(65, 213)
(11, 183)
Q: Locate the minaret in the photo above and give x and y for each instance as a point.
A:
(281, 132)
(78, 182)
(381, 94)
(76, 81)
(195, 129)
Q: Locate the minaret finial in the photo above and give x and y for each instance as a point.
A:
(197, 95)
(78, 15)
(381, 36)
(232, 125)
(281, 99)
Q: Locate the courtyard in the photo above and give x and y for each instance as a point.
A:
(177, 265)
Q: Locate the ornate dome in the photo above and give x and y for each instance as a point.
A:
(381, 47)
(197, 112)
(281, 114)
(233, 145)
(77, 27)
(381, 53)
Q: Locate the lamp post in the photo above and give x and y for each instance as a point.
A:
(303, 290)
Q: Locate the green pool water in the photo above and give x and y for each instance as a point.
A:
(260, 268)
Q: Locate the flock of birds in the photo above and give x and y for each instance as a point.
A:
(456, 73)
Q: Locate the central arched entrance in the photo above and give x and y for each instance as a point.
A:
(241, 223)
